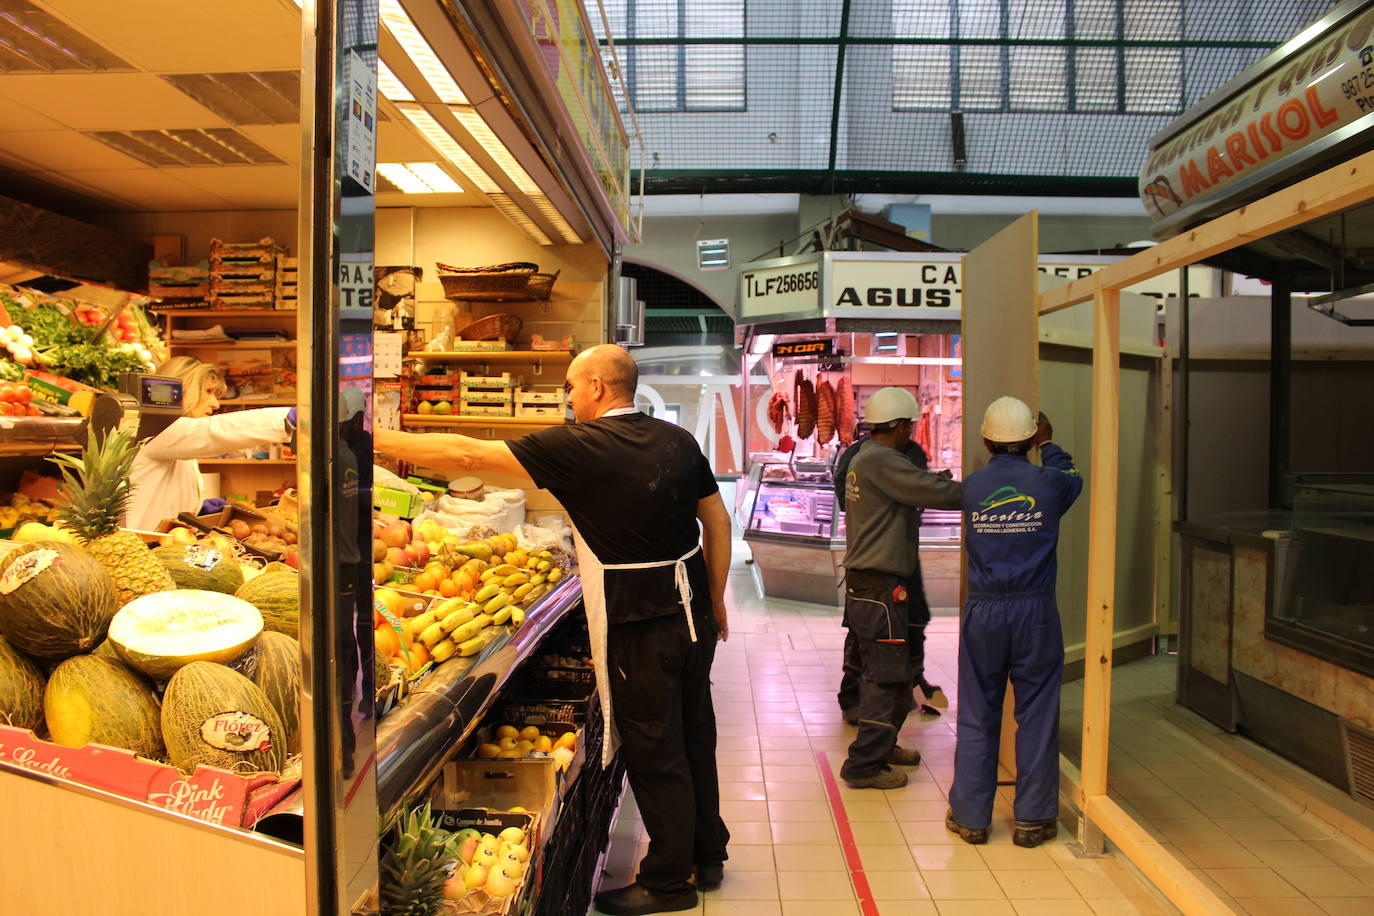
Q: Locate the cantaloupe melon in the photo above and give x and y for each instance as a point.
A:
(56, 600)
(160, 633)
(277, 672)
(201, 567)
(277, 594)
(21, 689)
(91, 699)
(213, 715)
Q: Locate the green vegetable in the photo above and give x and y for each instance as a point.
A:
(49, 327)
(92, 364)
(10, 371)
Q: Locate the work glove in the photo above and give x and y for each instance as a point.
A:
(211, 506)
(291, 427)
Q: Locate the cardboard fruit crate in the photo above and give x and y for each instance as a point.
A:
(483, 410)
(543, 411)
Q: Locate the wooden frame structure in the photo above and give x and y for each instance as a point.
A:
(1346, 185)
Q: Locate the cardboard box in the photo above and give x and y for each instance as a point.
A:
(548, 395)
(536, 410)
(486, 395)
(210, 794)
(479, 901)
(400, 503)
(504, 380)
(483, 410)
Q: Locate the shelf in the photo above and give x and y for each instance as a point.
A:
(251, 344)
(208, 313)
(264, 461)
(421, 419)
(259, 402)
(495, 356)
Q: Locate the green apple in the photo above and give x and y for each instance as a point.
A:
(443, 408)
(513, 835)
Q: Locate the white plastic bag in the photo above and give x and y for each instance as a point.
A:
(500, 510)
(552, 531)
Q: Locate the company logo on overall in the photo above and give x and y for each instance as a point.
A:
(1007, 496)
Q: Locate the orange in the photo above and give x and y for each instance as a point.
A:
(425, 581)
(465, 581)
(448, 588)
(419, 656)
(387, 640)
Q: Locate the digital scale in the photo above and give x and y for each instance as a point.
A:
(144, 405)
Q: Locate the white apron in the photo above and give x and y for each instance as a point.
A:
(592, 573)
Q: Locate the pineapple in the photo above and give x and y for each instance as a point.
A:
(96, 488)
(416, 866)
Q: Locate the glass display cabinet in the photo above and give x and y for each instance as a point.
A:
(795, 531)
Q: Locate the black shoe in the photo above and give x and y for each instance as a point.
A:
(904, 756)
(851, 716)
(634, 900)
(1031, 834)
(886, 778)
(928, 711)
(710, 876)
(974, 837)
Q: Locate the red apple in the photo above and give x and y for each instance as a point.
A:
(293, 559)
(397, 534)
(396, 556)
(419, 552)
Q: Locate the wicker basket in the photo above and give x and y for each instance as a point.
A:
(493, 327)
(541, 285)
(486, 284)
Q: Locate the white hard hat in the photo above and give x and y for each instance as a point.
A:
(1008, 419)
(888, 404)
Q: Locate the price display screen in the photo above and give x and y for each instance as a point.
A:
(160, 392)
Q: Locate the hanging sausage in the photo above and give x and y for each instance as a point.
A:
(779, 412)
(844, 411)
(806, 409)
(825, 412)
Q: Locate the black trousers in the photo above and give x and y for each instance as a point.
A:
(661, 700)
(918, 616)
(876, 616)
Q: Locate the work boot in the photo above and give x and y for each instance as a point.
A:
(886, 778)
(1031, 834)
(710, 876)
(635, 900)
(904, 756)
(970, 835)
(934, 695)
(851, 716)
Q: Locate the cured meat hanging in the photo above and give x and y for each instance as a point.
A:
(779, 412)
(825, 412)
(806, 409)
(844, 411)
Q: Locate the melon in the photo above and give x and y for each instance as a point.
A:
(160, 633)
(56, 600)
(214, 716)
(21, 689)
(91, 699)
(201, 567)
(277, 594)
(277, 672)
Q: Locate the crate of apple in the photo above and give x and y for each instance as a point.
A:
(394, 545)
(511, 743)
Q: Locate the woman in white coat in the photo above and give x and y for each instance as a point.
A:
(166, 475)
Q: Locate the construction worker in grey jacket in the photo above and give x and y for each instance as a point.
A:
(884, 496)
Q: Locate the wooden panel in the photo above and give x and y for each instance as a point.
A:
(167, 864)
(1209, 641)
(68, 248)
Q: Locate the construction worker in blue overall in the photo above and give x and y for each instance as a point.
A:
(884, 496)
(1010, 625)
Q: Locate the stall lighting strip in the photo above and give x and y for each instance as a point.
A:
(522, 219)
(419, 177)
(550, 212)
(390, 85)
(435, 73)
(443, 141)
(486, 138)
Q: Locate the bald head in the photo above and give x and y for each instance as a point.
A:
(599, 379)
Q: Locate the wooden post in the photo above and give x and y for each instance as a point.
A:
(1102, 481)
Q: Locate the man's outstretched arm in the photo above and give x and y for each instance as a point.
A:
(449, 451)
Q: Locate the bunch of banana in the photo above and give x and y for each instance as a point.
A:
(494, 547)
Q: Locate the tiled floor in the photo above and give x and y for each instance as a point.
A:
(775, 686)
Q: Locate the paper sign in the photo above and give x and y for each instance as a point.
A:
(386, 354)
(360, 126)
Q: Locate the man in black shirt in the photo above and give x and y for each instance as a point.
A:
(634, 488)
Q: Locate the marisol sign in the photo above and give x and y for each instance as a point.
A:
(824, 347)
(1325, 86)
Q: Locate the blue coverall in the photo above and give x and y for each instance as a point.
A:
(1010, 627)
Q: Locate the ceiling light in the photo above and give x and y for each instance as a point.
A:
(402, 177)
(439, 181)
(550, 212)
(421, 54)
(507, 206)
(477, 126)
(445, 144)
(713, 254)
(391, 86)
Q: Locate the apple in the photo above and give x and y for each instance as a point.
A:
(485, 856)
(489, 841)
(513, 835)
(507, 731)
(511, 865)
(476, 877)
(468, 850)
(396, 534)
(443, 408)
(529, 732)
(499, 884)
(419, 552)
(396, 556)
(292, 558)
(520, 851)
(455, 888)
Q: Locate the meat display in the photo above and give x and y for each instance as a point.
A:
(825, 412)
(779, 412)
(844, 411)
(806, 409)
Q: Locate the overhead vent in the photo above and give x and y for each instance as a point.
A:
(266, 97)
(210, 147)
(34, 41)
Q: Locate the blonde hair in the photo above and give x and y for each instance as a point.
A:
(198, 378)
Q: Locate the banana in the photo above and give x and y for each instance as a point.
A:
(457, 618)
(555, 574)
(443, 608)
(487, 574)
(486, 593)
(496, 603)
(515, 579)
(517, 595)
(544, 555)
(484, 620)
(517, 617)
(443, 651)
(505, 569)
(535, 594)
(464, 632)
(476, 644)
(501, 616)
(544, 566)
(419, 623)
(539, 579)
(432, 634)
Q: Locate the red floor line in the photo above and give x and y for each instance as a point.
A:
(851, 849)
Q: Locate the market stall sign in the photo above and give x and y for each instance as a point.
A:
(1201, 280)
(1268, 125)
(896, 288)
(788, 288)
(792, 348)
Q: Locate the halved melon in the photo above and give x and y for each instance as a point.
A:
(163, 632)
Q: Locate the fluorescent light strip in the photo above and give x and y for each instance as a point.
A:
(507, 206)
(475, 125)
(550, 212)
(403, 178)
(445, 144)
(421, 54)
(439, 181)
(391, 86)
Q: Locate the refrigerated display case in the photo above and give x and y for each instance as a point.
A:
(795, 531)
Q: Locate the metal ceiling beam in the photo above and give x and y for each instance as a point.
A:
(839, 92)
(819, 181)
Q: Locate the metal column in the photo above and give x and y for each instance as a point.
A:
(337, 208)
(1280, 381)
